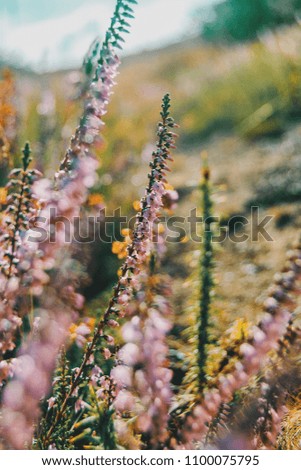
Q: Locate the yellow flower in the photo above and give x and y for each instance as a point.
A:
(72, 331)
(240, 330)
(91, 323)
(3, 195)
(119, 272)
(119, 249)
(161, 229)
(125, 232)
(95, 199)
(137, 205)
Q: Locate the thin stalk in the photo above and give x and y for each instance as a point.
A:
(206, 281)
(26, 161)
(164, 144)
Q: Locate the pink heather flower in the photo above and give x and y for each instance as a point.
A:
(81, 333)
(124, 401)
(105, 382)
(31, 382)
(101, 393)
(143, 237)
(123, 299)
(145, 357)
(42, 188)
(14, 223)
(113, 323)
(83, 330)
(130, 354)
(122, 376)
(96, 375)
(170, 199)
(253, 353)
(51, 402)
(106, 390)
(79, 405)
(131, 331)
(75, 391)
(78, 301)
(95, 108)
(109, 339)
(77, 175)
(107, 353)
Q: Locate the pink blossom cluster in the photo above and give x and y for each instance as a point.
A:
(21, 206)
(105, 386)
(77, 174)
(96, 103)
(270, 422)
(151, 205)
(252, 353)
(56, 317)
(259, 416)
(10, 319)
(280, 378)
(31, 380)
(59, 302)
(37, 258)
(170, 199)
(7, 368)
(142, 239)
(144, 378)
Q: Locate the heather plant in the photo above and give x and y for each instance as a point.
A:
(245, 360)
(66, 196)
(137, 253)
(198, 312)
(102, 375)
(206, 282)
(21, 206)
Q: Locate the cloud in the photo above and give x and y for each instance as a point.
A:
(24, 11)
(161, 21)
(63, 40)
(39, 43)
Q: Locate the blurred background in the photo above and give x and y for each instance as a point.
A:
(54, 35)
(233, 69)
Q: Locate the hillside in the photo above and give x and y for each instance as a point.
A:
(239, 104)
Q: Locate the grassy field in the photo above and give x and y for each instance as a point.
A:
(240, 104)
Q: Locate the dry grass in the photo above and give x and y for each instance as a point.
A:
(290, 437)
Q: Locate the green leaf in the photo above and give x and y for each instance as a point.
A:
(128, 15)
(125, 23)
(89, 67)
(116, 44)
(108, 36)
(123, 30)
(128, 9)
(119, 38)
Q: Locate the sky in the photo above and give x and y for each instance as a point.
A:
(51, 34)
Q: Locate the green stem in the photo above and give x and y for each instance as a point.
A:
(206, 283)
(26, 161)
